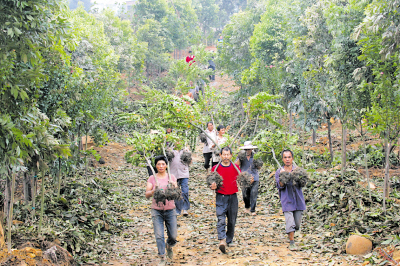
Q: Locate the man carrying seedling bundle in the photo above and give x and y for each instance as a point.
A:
(245, 161)
(226, 199)
(207, 150)
(179, 167)
(291, 195)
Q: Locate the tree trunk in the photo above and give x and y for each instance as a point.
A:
(290, 123)
(314, 137)
(366, 168)
(255, 127)
(27, 186)
(241, 110)
(330, 140)
(86, 163)
(386, 178)
(10, 214)
(34, 190)
(2, 236)
(7, 196)
(59, 178)
(41, 204)
(344, 136)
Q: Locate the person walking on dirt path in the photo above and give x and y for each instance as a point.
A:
(181, 172)
(162, 213)
(220, 139)
(207, 149)
(212, 66)
(250, 194)
(292, 199)
(226, 199)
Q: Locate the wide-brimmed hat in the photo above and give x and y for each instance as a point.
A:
(248, 146)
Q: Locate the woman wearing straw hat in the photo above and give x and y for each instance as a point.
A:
(250, 194)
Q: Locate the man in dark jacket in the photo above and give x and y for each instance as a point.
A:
(292, 199)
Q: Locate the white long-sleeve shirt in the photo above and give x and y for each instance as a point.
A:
(213, 135)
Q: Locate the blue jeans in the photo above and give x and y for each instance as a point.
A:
(250, 195)
(184, 203)
(169, 217)
(227, 207)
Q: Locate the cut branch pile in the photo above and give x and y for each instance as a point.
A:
(170, 155)
(173, 192)
(203, 138)
(186, 158)
(257, 163)
(244, 180)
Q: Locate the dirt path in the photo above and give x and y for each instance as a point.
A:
(261, 239)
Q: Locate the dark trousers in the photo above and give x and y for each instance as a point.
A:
(212, 77)
(250, 195)
(207, 158)
(214, 163)
(227, 208)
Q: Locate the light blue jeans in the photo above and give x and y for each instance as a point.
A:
(184, 203)
(169, 218)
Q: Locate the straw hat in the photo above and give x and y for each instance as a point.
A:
(248, 146)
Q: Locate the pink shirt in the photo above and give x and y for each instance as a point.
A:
(163, 183)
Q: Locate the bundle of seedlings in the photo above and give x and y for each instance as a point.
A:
(159, 195)
(299, 176)
(216, 152)
(242, 155)
(186, 158)
(257, 163)
(203, 138)
(173, 192)
(170, 155)
(244, 180)
(216, 178)
(285, 177)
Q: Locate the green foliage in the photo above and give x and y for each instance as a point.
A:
(278, 140)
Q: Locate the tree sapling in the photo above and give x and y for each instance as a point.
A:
(214, 177)
(244, 180)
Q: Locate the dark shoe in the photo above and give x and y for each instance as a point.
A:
(222, 247)
(170, 253)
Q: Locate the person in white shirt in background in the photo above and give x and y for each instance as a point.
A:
(207, 150)
(220, 139)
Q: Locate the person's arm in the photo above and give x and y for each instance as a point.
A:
(149, 190)
(238, 162)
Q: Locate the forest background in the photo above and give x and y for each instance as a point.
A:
(299, 65)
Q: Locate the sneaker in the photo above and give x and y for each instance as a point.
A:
(222, 246)
(170, 253)
(292, 247)
(185, 213)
